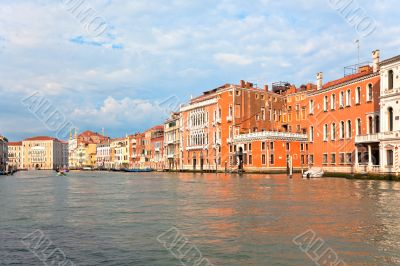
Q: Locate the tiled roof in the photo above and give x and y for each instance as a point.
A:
(346, 79)
(41, 138)
(15, 143)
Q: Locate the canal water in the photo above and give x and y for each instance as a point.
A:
(133, 219)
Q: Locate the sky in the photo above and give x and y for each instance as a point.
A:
(126, 64)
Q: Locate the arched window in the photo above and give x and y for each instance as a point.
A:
(341, 129)
(369, 92)
(326, 103)
(311, 106)
(333, 131)
(333, 101)
(370, 125)
(341, 99)
(390, 80)
(348, 98)
(326, 132)
(359, 129)
(348, 129)
(377, 124)
(390, 119)
(358, 95)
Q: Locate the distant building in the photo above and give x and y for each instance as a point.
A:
(82, 149)
(103, 155)
(44, 153)
(15, 155)
(3, 153)
(172, 139)
(120, 152)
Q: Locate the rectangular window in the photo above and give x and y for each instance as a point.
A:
(341, 158)
(389, 155)
(250, 159)
(263, 146)
(325, 158)
(272, 159)
(311, 159)
(288, 146)
(263, 159)
(333, 158)
(348, 158)
(271, 146)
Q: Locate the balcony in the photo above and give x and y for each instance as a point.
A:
(170, 156)
(229, 140)
(229, 118)
(369, 138)
(390, 135)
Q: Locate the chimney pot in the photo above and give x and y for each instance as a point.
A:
(375, 60)
(242, 83)
(320, 77)
(266, 87)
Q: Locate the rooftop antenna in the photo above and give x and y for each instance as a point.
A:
(358, 51)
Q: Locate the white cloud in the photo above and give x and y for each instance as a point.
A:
(226, 58)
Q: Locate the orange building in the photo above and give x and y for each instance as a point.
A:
(339, 111)
(214, 126)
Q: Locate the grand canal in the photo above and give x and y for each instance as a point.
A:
(116, 219)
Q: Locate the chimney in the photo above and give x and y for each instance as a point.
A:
(320, 77)
(248, 85)
(266, 87)
(375, 60)
(242, 84)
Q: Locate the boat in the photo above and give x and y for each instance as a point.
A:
(86, 169)
(146, 170)
(61, 174)
(314, 173)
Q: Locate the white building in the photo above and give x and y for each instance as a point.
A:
(103, 155)
(390, 115)
(15, 155)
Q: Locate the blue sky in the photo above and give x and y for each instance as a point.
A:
(160, 51)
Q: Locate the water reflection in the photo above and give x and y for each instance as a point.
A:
(114, 219)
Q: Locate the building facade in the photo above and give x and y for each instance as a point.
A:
(82, 149)
(15, 155)
(389, 135)
(172, 136)
(3, 153)
(44, 153)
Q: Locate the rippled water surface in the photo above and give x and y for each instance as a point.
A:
(114, 219)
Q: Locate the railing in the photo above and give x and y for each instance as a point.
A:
(367, 138)
(271, 135)
(229, 118)
(389, 135)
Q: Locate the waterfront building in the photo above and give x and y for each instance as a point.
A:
(3, 153)
(103, 155)
(15, 155)
(137, 151)
(340, 112)
(154, 145)
(172, 137)
(83, 149)
(44, 153)
(213, 123)
(389, 136)
(120, 152)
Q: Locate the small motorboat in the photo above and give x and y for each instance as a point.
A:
(314, 173)
(61, 173)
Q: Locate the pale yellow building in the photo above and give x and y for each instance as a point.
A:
(44, 153)
(15, 155)
(120, 152)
